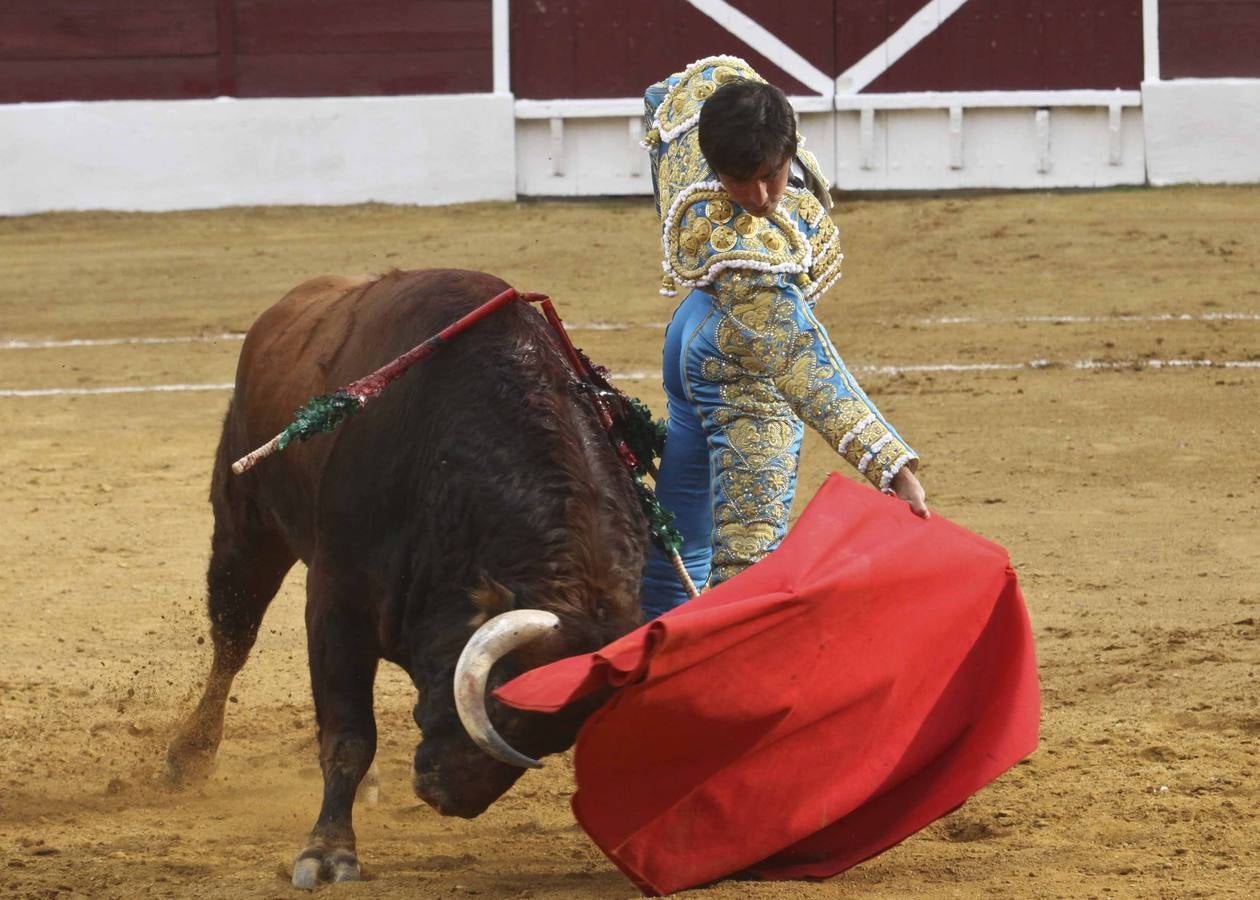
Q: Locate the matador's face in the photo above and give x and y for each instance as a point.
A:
(760, 192)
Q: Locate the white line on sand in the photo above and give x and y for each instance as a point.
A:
(18, 344)
(1036, 364)
(113, 389)
(236, 336)
(1078, 320)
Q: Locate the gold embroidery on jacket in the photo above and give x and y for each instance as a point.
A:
(771, 344)
(756, 473)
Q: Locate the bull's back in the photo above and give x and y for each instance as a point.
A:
(324, 333)
(333, 329)
(288, 347)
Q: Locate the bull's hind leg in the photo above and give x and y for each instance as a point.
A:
(248, 562)
(344, 652)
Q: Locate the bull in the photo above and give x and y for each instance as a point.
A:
(481, 483)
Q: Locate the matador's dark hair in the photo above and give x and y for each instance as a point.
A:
(745, 124)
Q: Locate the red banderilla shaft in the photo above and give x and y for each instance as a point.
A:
(370, 386)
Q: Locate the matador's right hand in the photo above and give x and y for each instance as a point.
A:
(905, 484)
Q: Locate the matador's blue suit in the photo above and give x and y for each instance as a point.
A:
(745, 359)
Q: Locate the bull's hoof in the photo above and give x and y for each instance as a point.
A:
(186, 764)
(318, 863)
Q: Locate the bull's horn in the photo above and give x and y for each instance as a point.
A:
(490, 643)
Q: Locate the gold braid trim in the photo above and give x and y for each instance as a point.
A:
(682, 104)
(703, 236)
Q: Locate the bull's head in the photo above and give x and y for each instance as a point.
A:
(462, 770)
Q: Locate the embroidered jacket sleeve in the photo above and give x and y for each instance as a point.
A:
(769, 330)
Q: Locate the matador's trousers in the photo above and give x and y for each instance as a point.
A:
(728, 473)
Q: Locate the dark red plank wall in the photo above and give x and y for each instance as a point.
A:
(304, 48)
(125, 49)
(1209, 38)
(140, 49)
(1004, 45)
(88, 49)
(615, 48)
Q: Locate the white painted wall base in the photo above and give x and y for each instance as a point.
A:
(191, 154)
(598, 154)
(934, 149)
(928, 141)
(1202, 130)
(164, 155)
(581, 157)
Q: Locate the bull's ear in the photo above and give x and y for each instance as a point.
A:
(489, 599)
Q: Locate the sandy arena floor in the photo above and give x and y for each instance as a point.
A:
(1127, 493)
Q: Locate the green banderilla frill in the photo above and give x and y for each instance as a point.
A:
(320, 415)
(644, 435)
(664, 535)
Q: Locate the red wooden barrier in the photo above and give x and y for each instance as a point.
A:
(130, 49)
(1009, 45)
(616, 48)
(298, 48)
(1209, 39)
(103, 49)
(86, 49)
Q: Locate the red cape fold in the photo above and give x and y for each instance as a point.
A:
(862, 680)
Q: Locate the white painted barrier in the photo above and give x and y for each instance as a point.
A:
(429, 150)
(191, 154)
(1012, 147)
(1202, 130)
(923, 141)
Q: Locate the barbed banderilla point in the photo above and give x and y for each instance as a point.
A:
(320, 415)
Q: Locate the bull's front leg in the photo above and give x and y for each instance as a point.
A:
(343, 656)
